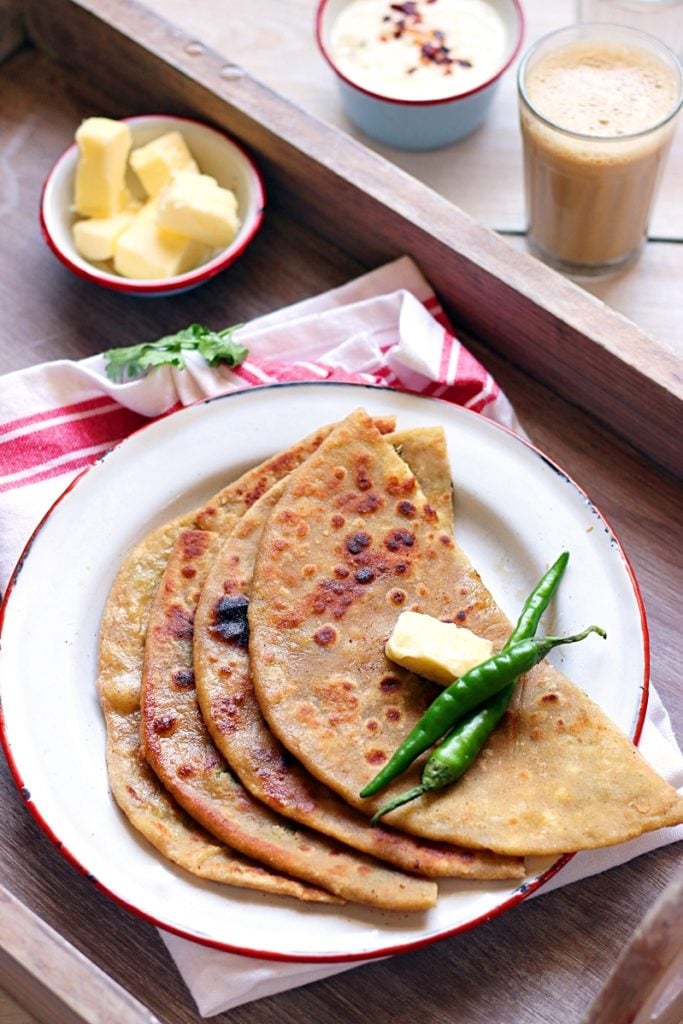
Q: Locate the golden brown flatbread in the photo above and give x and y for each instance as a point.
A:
(156, 816)
(425, 451)
(352, 543)
(232, 714)
(179, 748)
(122, 637)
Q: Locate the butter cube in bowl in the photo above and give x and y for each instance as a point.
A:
(151, 205)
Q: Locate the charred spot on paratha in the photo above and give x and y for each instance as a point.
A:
(231, 623)
(398, 487)
(399, 538)
(361, 504)
(335, 596)
(406, 508)
(183, 679)
(325, 636)
(226, 712)
(363, 479)
(178, 622)
(356, 542)
(164, 725)
(273, 765)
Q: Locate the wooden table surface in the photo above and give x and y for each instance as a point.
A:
(544, 962)
(274, 41)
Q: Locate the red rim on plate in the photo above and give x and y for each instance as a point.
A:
(519, 894)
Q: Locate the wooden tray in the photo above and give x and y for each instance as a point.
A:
(335, 209)
(351, 197)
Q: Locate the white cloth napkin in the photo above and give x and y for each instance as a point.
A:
(385, 328)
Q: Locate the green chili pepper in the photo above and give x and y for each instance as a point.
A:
(460, 748)
(467, 692)
(463, 744)
(537, 602)
(457, 752)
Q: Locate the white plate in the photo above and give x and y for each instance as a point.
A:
(515, 513)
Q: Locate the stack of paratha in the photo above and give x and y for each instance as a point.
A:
(248, 699)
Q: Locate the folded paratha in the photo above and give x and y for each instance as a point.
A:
(230, 709)
(179, 748)
(156, 816)
(122, 636)
(352, 543)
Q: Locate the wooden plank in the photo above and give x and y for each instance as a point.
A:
(481, 174)
(649, 292)
(12, 33)
(557, 332)
(646, 966)
(56, 983)
(42, 102)
(12, 1013)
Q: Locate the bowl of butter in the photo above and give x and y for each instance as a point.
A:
(151, 205)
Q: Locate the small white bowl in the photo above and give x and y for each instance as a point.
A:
(419, 124)
(216, 155)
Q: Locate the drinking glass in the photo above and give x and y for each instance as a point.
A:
(598, 107)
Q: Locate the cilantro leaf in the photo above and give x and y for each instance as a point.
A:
(124, 364)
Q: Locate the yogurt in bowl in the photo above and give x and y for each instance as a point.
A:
(422, 73)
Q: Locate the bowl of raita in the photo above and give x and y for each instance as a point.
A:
(421, 74)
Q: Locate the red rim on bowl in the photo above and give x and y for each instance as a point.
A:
(158, 286)
(320, 14)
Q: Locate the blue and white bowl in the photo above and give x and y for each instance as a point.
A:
(419, 124)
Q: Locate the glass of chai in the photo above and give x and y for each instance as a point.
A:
(598, 107)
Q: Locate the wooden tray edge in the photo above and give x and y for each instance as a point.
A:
(555, 331)
(12, 34)
(52, 979)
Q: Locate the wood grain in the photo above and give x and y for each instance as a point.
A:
(640, 976)
(11, 27)
(54, 981)
(556, 331)
(545, 962)
(648, 292)
(483, 173)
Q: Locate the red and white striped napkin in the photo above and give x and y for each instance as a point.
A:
(384, 328)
